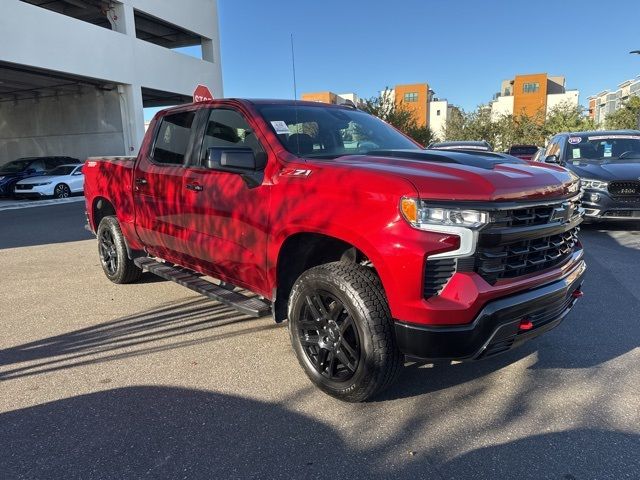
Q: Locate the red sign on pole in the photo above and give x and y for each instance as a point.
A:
(202, 94)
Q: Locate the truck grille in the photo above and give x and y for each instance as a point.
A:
(517, 242)
(624, 188)
(526, 240)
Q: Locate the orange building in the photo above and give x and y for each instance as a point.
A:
(530, 94)
(323, 97)
(415, 97)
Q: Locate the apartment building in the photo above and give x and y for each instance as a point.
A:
(428, 110)
(531, 94)
(606, 102)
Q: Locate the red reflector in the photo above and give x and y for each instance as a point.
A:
(525, 324)
(577, 294)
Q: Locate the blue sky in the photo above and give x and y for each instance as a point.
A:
(463, 49)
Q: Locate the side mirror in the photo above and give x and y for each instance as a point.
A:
(552, 159)
(234, 159)
(79, 172)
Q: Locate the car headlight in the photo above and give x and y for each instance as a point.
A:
(424, 217)
(594, 184)
(1, 178)
(40, 184)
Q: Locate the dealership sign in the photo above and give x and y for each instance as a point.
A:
(202, 94)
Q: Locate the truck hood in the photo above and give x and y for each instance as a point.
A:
(471, 176)
(624, 170)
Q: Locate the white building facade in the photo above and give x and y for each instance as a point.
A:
(76, 75)
(607, 102)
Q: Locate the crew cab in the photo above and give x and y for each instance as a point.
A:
(371, 247)
(608, 162)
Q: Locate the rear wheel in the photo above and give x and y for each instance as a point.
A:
(116, 264)
(62, 191)
(341, 331)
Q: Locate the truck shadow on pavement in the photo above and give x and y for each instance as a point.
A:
(175, 325)
(162, 432)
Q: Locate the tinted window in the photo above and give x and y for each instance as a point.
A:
(15, 166)
(524, 150)
(228, 129)
(38, 166)
(172, 140)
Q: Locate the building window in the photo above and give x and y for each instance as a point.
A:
(411, 97)
(531, 87)
(438, 113)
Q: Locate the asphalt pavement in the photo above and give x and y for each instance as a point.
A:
(99, 381)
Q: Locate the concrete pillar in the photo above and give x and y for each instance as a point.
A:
(132, 117)
(208, 53)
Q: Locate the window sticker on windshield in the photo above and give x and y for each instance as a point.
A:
(575, 140)
(608, 150)
(615, 137)
(575, 152)
(280, 127)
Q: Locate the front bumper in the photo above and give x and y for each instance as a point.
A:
(37, 191)
(497, 328)
(600, 205)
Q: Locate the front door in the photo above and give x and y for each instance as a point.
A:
(226, 215)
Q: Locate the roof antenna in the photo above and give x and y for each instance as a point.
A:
(295, 95)
(293, 64)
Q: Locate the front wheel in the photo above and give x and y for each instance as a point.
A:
(342, 332)
(116, 264)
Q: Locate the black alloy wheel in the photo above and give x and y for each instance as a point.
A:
(329, 336)
(108, 252)
(62, 191)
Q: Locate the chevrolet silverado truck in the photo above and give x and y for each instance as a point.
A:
(371, 247)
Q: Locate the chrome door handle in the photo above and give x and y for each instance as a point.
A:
(141, 181)
(195, 187)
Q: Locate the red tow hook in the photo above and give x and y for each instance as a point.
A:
(525, 324)
(577, 293)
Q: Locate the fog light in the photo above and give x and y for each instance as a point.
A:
(594, 197)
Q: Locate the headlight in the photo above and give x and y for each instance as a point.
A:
(424, 217)
(40, 184)
(1, 178)
(594, 184)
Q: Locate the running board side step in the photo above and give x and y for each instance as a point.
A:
(251, 306)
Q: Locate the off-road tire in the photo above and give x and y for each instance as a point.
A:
(359, 290)
(122, 270)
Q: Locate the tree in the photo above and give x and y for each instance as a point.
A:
(626, 117)
(384, 107)
(566, 117)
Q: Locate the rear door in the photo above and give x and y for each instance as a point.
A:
(225, 214)
(157, 189)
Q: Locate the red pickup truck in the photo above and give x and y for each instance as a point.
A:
(370, 246)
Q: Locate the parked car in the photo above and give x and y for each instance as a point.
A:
(608, 162)
(525, 152)
(61, 182)
(539, 155)
(462, 145)
(370, 250)
(14, 171)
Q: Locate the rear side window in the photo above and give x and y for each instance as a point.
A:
(172, 139)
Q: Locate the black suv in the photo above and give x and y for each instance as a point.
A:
(12, 172)
(608, 163)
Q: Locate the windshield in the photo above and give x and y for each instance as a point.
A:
(64, 170)
(329, 132)
(16, 166)
(602, 148)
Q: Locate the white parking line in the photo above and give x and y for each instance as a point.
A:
(18, 204)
